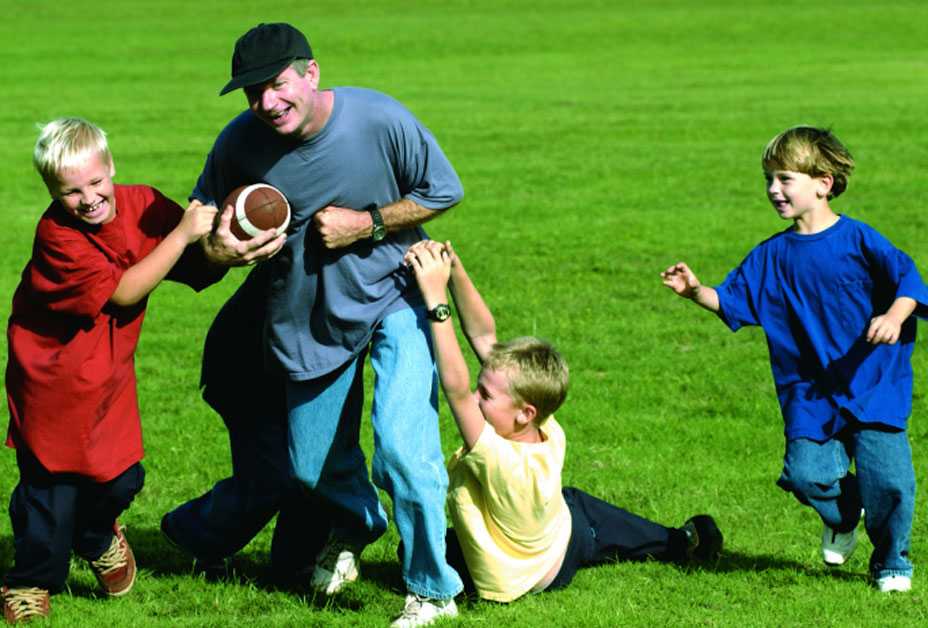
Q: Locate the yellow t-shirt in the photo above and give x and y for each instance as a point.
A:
(508, 511)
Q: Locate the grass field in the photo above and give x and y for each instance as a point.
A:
(598, 142)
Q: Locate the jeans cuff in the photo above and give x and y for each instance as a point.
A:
(432, 593)
(886, 573)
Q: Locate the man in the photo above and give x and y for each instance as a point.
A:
(361, 173)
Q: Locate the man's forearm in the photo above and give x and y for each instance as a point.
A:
(405, 214)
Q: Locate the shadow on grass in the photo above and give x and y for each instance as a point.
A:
(154, 553)
(732, 561)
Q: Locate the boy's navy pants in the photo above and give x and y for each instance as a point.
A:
(55, 513)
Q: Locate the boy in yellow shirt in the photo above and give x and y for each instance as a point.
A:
(516, 530)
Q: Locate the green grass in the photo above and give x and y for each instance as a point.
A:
(598, 143)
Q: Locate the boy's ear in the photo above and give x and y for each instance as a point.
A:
(824, 185)
(527, 414)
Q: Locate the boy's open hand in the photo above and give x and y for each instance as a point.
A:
(681, 280)
(431, 263)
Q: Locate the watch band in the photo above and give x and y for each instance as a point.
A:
(378, 230)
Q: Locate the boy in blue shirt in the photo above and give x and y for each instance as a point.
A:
(835, 299)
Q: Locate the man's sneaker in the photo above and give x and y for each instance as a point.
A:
(24, 604)
(892, 584)
(703, 538)
(115, 569)
(837, 547)
(336, 567)
(422, 611)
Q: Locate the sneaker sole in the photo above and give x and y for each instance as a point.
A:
(896, 586)
(324, 587)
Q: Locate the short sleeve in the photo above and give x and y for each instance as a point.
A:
(220, 172)
(68, 274)
(736, 302)
(425, 174)
(898, 268)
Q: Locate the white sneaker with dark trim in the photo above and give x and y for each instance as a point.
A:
(336, 567)
(837, 547)
(422, 611)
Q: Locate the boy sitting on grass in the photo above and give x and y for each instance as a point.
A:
(516, 530)
(99, 250)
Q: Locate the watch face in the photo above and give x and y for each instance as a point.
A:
(440, 312)
(379, 233)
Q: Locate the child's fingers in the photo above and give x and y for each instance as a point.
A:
(225, 218)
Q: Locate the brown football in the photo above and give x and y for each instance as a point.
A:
(258, 207)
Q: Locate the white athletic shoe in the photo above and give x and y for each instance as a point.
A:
(336, 567)
(892, 584)
(837, 547)
(422, 611)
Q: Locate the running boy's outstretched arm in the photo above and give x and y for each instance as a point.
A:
(684, 282)
(432, 264)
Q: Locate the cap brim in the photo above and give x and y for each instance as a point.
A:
(258, 75)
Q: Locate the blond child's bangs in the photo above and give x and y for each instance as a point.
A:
(537, 373)
(68, 143)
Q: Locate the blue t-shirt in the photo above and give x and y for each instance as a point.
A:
(322, 305)
(814, 296)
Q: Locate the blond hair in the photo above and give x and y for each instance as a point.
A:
(68, 143)
(813, 151)
(538, 375)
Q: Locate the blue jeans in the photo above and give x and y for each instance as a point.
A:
(227, 517)
(817, 474)
(325, 417)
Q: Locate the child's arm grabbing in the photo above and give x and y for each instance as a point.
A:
(476, 318)
(684, 282)
(140, 279)
(431, 264)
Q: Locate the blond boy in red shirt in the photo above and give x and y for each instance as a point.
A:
(99, 250)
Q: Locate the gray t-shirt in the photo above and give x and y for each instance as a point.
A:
(322, 305)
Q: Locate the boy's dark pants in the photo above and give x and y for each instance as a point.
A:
(55, 513)
(600, 533)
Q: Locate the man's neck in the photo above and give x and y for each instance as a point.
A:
(325, 101)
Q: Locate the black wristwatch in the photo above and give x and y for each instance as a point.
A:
(378, 232)
(439, 313)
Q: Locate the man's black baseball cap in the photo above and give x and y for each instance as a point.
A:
(264, 52)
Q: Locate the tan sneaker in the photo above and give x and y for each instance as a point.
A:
(24, 604)
(115, 569)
